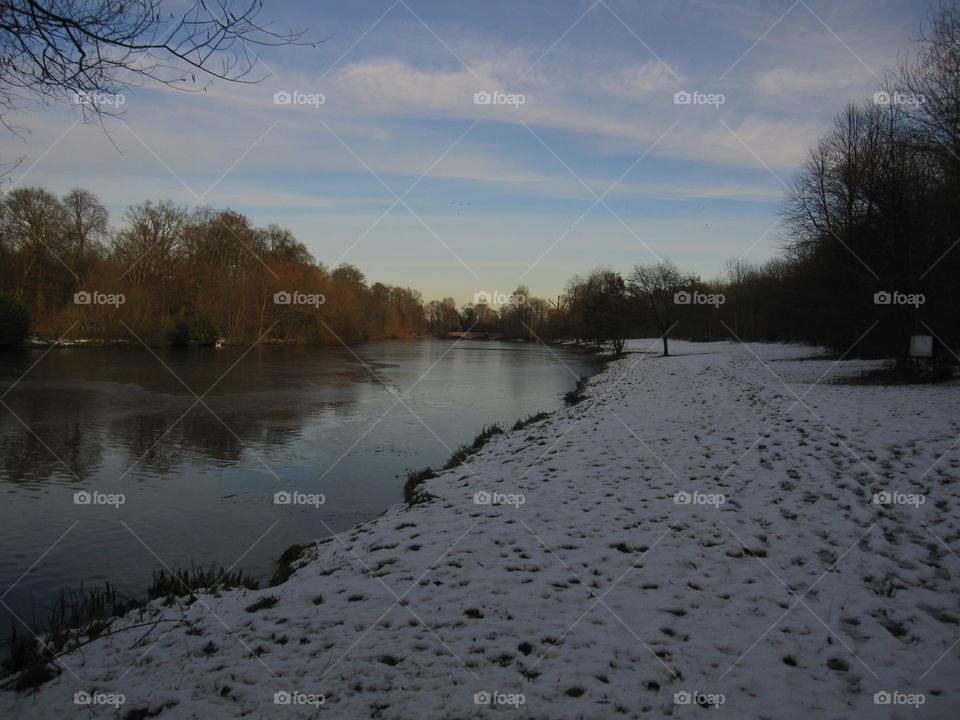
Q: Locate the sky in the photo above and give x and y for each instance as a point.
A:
(389, 158)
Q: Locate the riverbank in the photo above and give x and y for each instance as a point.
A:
(726, 525)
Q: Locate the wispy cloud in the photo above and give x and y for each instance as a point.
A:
(397, 97)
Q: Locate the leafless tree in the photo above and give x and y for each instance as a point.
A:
(35, 222)
(87, 51)
(931, 82)
(86, 219)
(654, 289)
(148, 245)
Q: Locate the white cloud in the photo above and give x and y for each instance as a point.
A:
(820, 81)
(638, 81)
(371, 101)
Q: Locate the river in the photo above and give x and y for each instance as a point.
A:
(115, 462)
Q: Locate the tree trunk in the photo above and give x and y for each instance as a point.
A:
(666, 346)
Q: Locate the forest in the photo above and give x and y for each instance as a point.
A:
(169, 275)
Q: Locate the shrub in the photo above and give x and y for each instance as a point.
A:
(180, 335)
(203, 331)
(198, 330)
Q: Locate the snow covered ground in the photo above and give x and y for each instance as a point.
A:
(702, 528)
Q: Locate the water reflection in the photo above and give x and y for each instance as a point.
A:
(199, 477)
(74, 404)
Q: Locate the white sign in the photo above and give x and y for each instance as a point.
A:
(921, 346)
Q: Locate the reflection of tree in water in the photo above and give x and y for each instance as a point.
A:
(24, 459)
(61, 422)
(110, 407)
(152, 444)
(147, 440)
(370, 372)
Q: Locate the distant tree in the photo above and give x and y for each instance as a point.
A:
(442, 316)
(574, 297)
(487, 319)
(349, 274)
(604, 308)
(86, 219)
(148, 246)
(282, 245)
(171, 266)
(517, 313)
(654, 289)
(35, 222)
(14, 321)
(468, 314)
(405, 313)
(538, 310)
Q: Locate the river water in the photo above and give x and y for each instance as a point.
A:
(197, 443)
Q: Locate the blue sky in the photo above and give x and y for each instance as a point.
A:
(598, 165)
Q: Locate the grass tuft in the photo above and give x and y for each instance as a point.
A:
(530, 419)
(578, 393)
(283, 568)
(461, 454)
(79, 616)
(412, 493)
(268, 601)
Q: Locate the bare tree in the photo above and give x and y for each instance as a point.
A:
(574, 294)
(86, 219)
(280, 243)
(60, 50)
(654, 288)
(932, 84)
(521, 311)
(538, 311)
(35, 223)
(147, 247)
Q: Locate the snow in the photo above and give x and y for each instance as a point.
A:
(589, 591)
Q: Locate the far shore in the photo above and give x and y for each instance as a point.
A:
(41, 342)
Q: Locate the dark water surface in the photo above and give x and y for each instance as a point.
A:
(199, 476)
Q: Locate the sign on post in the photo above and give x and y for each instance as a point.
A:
(921, 346)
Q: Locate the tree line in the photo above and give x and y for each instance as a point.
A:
(168, 274)
(601, 308)
(870, 242)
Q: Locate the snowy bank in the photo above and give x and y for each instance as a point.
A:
(727, 526)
